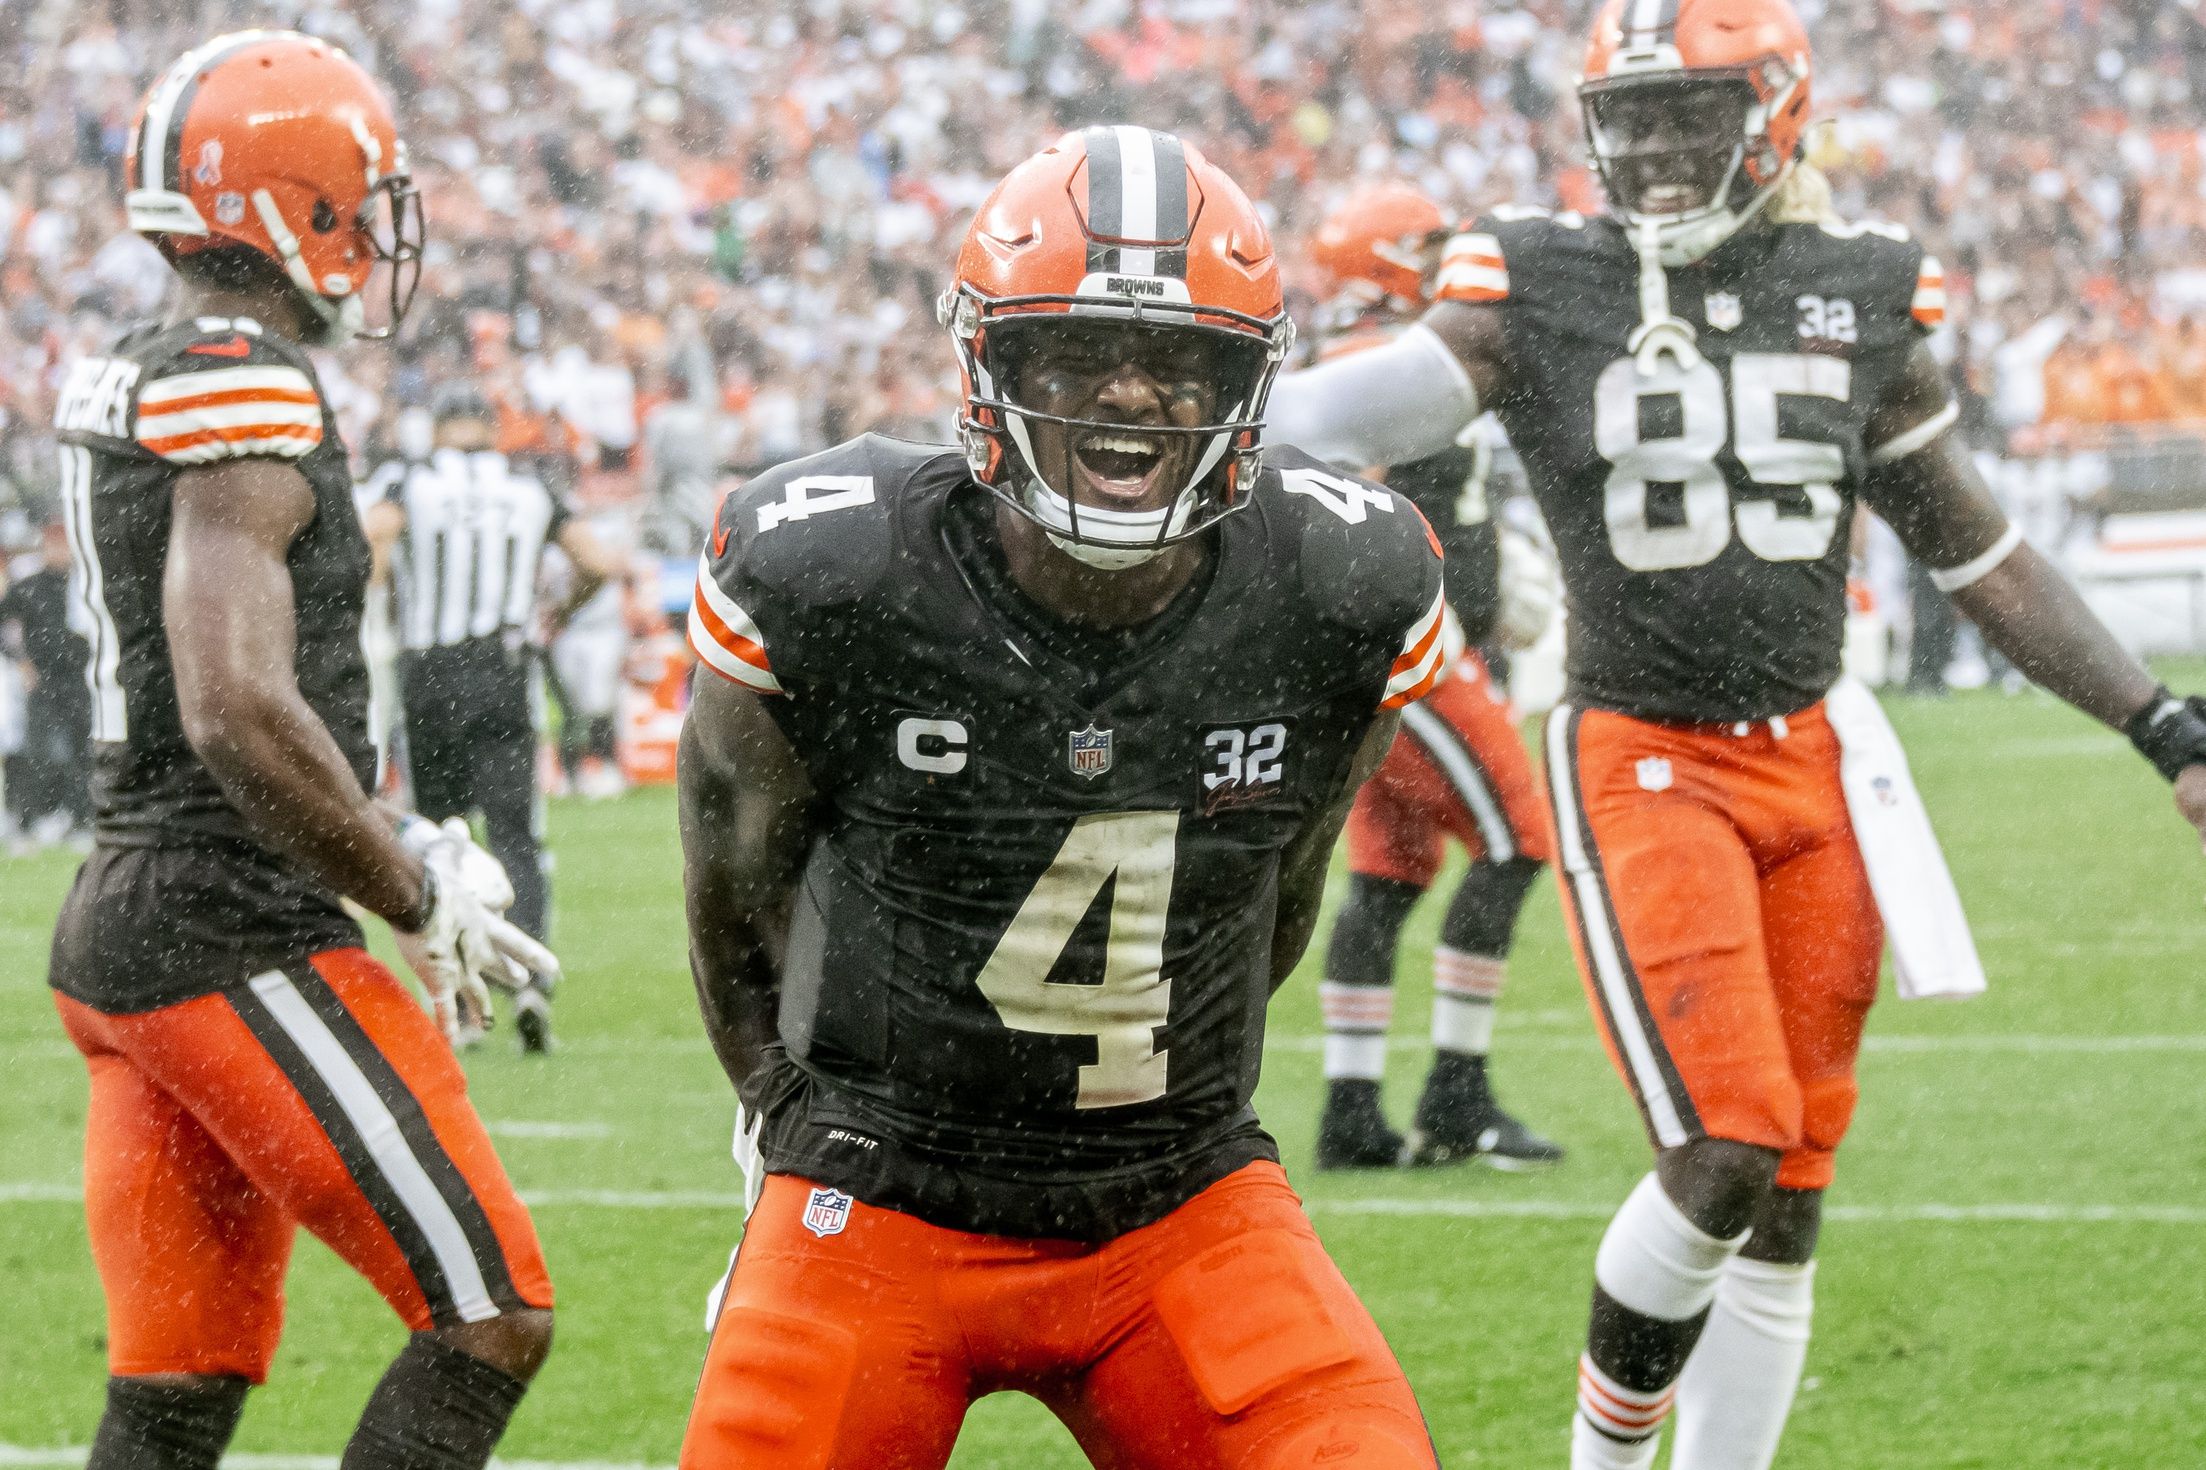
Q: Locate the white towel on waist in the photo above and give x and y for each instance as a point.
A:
(1933, 953)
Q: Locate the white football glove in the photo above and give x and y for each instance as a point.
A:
(1530, 591)
(466, 946)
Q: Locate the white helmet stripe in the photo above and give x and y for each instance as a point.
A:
(1137, 156)
(171, 99)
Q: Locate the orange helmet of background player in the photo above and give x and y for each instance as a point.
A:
(280, 144)
(1748, 57)
(1119, 224)
(1379, 237)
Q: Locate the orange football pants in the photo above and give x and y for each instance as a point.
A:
(318, 1095)
(1723, 924)
(1221, 1336)
(1457, 769)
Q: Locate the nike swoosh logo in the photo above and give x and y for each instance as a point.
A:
(720, 540)
(235, 347)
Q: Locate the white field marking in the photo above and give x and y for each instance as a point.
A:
(2025, 1042)
(1993, 1214)
(67, 1457)
(521, 1128)
(2062, 747)
(2024, 1213)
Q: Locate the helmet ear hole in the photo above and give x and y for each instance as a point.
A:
(325, 218)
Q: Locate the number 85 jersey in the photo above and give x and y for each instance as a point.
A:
(1029, 958)
(1701, 513)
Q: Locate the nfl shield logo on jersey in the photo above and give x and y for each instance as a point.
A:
(1724, 311)
(1088, 751)
(1654, 773)
(827, 1212)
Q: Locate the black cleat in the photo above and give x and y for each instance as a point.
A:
(1353, 1132)
(532, 1021)
(1458, 1119)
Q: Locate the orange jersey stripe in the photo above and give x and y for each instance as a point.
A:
(233, 396)
(730, 640)
(173, 442)
(1420, 689)
(1417, 652)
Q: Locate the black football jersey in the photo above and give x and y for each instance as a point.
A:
(1702, 514)
(165, 399)
(1026, 976)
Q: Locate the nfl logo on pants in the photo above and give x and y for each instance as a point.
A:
(827, 1212)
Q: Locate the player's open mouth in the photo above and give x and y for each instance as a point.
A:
(1122, 466)
(1671, 198)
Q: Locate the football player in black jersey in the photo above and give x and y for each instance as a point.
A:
(1457, 771)
(252, 1068)
(1008, 794)
(1703, 384)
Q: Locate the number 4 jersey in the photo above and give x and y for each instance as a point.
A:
(1701, 513)
(1027, 970)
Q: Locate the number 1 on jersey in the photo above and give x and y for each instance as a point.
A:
(1138, 850)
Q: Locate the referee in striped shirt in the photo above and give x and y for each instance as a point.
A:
(459, 538)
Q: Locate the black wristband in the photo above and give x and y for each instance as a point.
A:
(418, 920)
(2169, 732)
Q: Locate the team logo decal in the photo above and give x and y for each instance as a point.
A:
(1088, 751)
(827, 1212)
(1654, 773)
(229, 207)
(1725, 311)
(209, 171)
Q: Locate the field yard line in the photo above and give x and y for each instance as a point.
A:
(521, 1128)
(2018, 1214)
(67, 1457)
(1989, 1041)
(1457, 1209)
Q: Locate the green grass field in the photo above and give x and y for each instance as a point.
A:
(2015, 1274)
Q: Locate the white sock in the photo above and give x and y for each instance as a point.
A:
(1737, 1387)
(1464, 989)
(1658, 1263)
(1655, 1262)
(1590, 1449)
(1356, 1022)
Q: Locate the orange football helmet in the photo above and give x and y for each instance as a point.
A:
(1380, 236)
(1694, 112)
(279, 143)
(1125, 225)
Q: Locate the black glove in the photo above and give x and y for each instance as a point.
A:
(2170, 732)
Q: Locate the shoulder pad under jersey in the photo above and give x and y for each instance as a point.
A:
(1474, 265)
(219, 388)
(1898, 289)
(1367, 560)
(812, 534)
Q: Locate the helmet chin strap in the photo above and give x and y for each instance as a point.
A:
(343, 318)
(1108, 540)
(1659, 332)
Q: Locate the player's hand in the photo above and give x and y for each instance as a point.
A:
(2190, 798)
(466, 945)
(1530, 591)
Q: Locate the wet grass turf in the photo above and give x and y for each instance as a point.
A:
(2054, 1341)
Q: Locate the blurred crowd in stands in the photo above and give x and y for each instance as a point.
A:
(677, 237)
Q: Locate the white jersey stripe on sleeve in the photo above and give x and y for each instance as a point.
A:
(726, 664)
(273, 379)
(251, 414)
